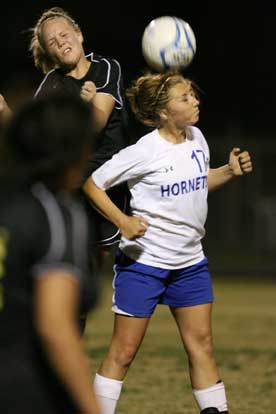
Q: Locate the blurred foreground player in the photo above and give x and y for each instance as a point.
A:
(45, 279)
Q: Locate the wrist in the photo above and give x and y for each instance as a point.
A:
(121, 220)
(229, 171)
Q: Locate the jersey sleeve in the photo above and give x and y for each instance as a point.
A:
(47, 85)
(130, 163)
(67, 241)
(110, 80)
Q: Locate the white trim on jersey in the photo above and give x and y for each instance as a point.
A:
(54, 258)
(42, 83)
(57, 226)
(98, 89)
(79, 233)
(118, 82)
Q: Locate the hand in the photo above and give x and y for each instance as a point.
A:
(133, 227)
(88, 91)
(240, 162)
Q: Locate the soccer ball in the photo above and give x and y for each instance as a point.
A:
(168, 43)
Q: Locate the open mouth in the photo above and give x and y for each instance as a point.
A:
(66, 51)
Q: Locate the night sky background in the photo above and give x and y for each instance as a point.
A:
(234, 64)
(235, 68)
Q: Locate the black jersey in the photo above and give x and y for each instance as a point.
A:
(107, 77)
(38, 231)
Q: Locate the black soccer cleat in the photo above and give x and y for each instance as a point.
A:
(213, 410)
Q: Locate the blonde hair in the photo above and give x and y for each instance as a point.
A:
(148, 95)
(42, 60)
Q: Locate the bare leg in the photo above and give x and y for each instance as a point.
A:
(127, 337)
(194, 324)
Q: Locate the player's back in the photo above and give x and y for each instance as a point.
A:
(20, 219)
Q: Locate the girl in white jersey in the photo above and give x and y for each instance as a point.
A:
(160, 257)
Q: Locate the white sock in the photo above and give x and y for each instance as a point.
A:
(212, 397)
(108, 392)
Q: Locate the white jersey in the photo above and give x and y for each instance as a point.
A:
(168, 186)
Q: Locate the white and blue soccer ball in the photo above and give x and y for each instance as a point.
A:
(168, 42)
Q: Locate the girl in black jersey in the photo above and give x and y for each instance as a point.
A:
(45, 281)
(57, 48)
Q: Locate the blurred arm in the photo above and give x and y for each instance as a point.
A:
(5, 111)
(56, 312)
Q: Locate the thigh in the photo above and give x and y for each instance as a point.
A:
(190, 286)
(194, 322)
(129, 330)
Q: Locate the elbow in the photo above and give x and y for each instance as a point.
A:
(47, 329)
(88, 188)
(86, 185)
(52, 334)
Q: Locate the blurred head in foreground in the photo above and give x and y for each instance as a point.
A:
(48, 140)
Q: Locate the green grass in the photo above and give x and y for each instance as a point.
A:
(244, 327)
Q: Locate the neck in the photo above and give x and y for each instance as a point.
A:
(80, 70)
(173, 135)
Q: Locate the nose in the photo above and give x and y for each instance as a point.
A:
(196, 101)
(60, 41)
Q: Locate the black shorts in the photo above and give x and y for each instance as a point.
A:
(104, 232)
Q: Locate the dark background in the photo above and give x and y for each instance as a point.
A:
(234, 66)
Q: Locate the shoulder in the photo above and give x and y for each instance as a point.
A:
(136, 154)
(49, 82)
(24, 217)
(106, 63)
(147, 140)
(144, 148)
(107, 75)
(67, 225)
(194, 133)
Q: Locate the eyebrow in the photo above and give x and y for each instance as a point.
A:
(53, 37)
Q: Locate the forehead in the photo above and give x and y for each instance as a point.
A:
(181, 88)
(55, 24)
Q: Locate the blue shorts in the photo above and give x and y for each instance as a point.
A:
(138, 288)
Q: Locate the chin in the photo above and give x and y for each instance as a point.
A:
(195, 121)
(192, 123)
(68, 66)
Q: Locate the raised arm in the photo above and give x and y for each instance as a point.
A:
(239, 164)
(130, 226)
(101, 105)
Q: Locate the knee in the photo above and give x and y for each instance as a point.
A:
(199, 343)
(123, 354)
